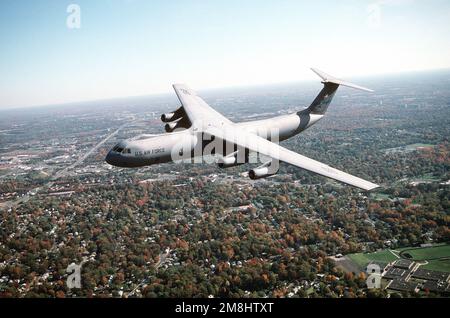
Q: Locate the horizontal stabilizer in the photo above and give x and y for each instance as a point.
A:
(330, 79)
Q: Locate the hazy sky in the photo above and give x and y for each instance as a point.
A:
(140, 47)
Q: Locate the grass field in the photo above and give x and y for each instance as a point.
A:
(427, 253)
(362, 259)
(437, 257)
(438, 265)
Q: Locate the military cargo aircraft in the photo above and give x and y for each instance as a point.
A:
(195, 130)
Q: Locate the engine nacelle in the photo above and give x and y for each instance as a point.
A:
(227, 162)
(259, 173)
(168, 117)
(169, 127)
(233, 160)
(180, 123)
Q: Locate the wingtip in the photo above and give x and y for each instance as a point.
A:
(373, 186)
(368, 90)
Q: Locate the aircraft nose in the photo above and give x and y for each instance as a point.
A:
(112, 158)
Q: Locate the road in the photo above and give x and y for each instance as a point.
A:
(62, 172)
(87, 154)
(162, 259)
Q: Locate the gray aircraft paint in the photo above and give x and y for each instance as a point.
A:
(320, 104)
(206, 133)
(158, 149)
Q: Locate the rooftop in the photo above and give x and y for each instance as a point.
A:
(403, 263)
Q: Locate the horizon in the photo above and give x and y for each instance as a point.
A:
(226, 89)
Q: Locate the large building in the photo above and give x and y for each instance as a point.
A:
(406, 275)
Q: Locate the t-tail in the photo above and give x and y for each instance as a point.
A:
(330, 84)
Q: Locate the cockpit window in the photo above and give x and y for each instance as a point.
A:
(120, 149)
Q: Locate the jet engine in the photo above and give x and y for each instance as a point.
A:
(231, 160)
(228, 162)
(265, 170)
(169, 127)
(182, 122)
(168, 117)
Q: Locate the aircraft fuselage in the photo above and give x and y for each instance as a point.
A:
(145, 151)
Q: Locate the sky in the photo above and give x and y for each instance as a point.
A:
(141, 47)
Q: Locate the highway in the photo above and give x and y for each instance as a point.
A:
(62, 172)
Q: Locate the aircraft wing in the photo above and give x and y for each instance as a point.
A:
(211, 122)
(258, 144)
(196, 108)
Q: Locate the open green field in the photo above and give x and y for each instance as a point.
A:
(436, 257)
(438, 265)
(426, 253)
(362, 259)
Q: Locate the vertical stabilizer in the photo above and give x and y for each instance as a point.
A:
(330, 84)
